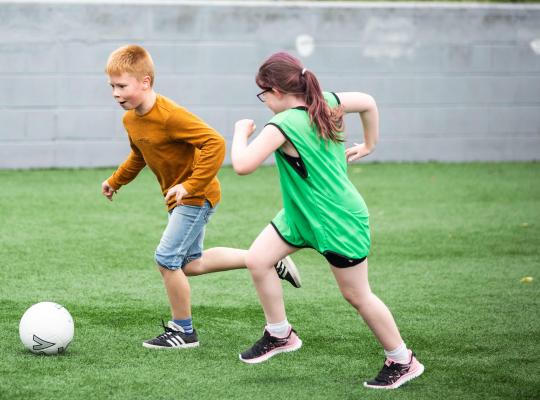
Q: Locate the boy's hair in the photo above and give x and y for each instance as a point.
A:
(134, 60)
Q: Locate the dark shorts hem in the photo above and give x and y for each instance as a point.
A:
(340, 261)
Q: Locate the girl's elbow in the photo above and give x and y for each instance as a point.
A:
(242, 169)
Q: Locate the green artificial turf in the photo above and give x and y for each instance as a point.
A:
(451, 243)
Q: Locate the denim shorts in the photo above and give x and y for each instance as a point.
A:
(182, 240)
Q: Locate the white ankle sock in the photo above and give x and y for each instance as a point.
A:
(399, 354)
(280, 330)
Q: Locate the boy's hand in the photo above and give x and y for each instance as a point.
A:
(245, 126)
(107, 190)
(178, 191)
(356, 152)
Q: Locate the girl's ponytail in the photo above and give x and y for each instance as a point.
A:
(329, 121)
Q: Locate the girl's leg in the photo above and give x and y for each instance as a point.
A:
(267, 249)
(278, 336)
(401, 364)
(354, 285)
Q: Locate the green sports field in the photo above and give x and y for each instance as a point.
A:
(451, 243)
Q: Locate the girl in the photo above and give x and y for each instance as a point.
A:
(321, 207)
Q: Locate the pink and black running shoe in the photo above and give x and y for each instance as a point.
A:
(393, 374)
(268, 346)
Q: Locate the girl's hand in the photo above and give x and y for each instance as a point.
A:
(178, 192)
(356, 152)
(245, 126)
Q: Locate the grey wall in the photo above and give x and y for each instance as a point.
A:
(453, 81)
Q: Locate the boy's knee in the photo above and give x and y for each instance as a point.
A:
(165, 263)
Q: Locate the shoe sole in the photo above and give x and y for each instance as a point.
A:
(185, 346)
(272, 353)
(295, 274)
(404, 379)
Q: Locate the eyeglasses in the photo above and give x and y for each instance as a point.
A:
(261, 96)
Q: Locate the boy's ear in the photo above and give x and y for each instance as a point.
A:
(146, 81)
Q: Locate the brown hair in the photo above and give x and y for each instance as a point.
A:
(132, 59)
(286, 74)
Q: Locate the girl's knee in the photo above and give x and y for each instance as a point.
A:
(357, 299)
(255, 262)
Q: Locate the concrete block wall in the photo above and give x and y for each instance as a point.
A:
(454, 82)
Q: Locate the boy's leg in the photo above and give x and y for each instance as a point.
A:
(401, 364)
(178, 291)
(186, 226)
(215, 260)
(278, 336)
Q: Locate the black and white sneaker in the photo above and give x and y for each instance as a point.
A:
(173, 338)
(286, 270)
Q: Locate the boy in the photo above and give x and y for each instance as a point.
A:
(185, 154)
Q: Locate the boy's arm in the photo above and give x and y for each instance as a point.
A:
(128, 170)
(185, 126)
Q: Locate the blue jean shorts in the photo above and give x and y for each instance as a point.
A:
(182, 240)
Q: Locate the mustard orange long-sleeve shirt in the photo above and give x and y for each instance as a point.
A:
(178, 147)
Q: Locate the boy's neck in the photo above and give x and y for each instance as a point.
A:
(147, 104)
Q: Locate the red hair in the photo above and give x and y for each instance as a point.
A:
(285, 73)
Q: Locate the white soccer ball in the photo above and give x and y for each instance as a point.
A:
(46, 328)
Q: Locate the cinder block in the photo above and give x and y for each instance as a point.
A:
(165, 57)
(514, 120)
(225, 58)
(458, 149)
(256, 23)
(83, 91)
(99, 22)
(40, 125)
(349, 23)
(11, 125)
(85, 153)
(174, 22)
(87, 124)
(27, 155)
(85, 58)
(28, 91)
(28, 58)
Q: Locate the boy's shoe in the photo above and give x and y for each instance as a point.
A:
(286, 270)
(173, 338)
(393, 374)
(269, 346)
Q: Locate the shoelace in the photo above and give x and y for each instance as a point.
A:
(265, 343)
(168, 331)
(390, 373)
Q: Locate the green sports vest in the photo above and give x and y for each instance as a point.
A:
(321, 207)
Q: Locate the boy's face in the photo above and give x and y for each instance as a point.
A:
(128, 91)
